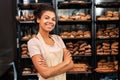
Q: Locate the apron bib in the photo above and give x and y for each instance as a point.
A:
(52, 58)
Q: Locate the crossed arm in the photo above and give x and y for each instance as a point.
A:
(45, 71)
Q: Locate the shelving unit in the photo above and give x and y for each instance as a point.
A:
(71, 25)
(64, 5)
(25, 65)
(106, 53)
(67, 8)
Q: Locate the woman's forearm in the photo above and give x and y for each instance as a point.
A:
(60, 68)
(66, 68)
(49, 71)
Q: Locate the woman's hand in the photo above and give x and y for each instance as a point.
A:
(67, 57)
(68, 60)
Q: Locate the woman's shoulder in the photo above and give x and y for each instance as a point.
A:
(33, 40)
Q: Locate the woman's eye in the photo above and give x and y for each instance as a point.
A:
(54, 19)
(46, 17)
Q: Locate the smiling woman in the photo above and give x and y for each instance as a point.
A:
(48, 52)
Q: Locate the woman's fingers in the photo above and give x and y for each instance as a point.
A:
(68, 54)
(67, 57)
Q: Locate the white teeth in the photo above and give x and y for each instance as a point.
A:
(50, 24)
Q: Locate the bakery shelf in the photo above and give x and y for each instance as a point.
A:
(82, 55)
(85, 55)
(107, 21)
(74, 5)
(74, 22)
(103, 72)
(78, 56)
(107, 55)
(76, 38)
(78, 72)
(26, 22)
(107, 38)
(108, 4)
(23, 40)
(30, 6)
(32, 74)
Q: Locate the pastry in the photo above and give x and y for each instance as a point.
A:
(82, 14)
(75, 49)
(82, 45)
(106, 52)
(82, 49)
(100, 52)
(76, 45)
(79, 32)
(83, 18)
(108, 12)
(76, 53)
(88, 51)
(24, 49)
(24, 52)
(79, 36)
(23, 45)
(106, 44)
(115, 14)
(101, 18)
(109, 15)
(87, 34)
(18, 18)
(98, 47)
(63, 18)
(82, 52)
(88, 17)
(106, 47)
(87, 46)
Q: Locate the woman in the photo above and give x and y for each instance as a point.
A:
(48, 52)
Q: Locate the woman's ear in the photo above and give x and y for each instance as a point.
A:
(38, 20)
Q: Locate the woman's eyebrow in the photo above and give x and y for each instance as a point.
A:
(49, 16)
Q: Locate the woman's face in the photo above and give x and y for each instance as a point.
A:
(47, 21)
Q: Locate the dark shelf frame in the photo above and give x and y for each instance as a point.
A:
(107, 38)
(107, 21)
(73, 5)
(89, 72)
(108, 4)
(74, 22)
(31, 74)
(30, 6)
(26, 22)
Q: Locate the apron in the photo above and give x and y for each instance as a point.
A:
(52, 58)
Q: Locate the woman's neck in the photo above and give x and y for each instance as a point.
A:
(47, 38)
(45, 35)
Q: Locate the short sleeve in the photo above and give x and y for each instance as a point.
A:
(33, 47)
